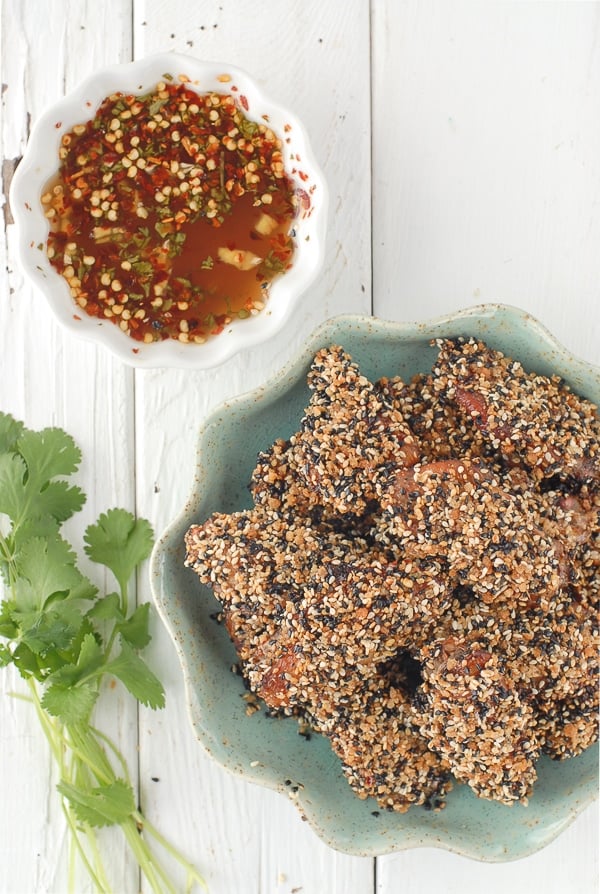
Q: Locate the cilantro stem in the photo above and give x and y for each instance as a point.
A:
(113, 748)
(83, 754)
(88, 755)
(124, 597)
(56, 740)
(7, 558)
(151, 869)
(193, 876)
(49, 726)
(95, 871)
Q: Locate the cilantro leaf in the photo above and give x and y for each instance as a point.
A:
(71, 704)
(135, 674)
(135, 629)
(89, 661)
(45, 566)
(59, 500)
(73, 688)
(24, 496)
(8, 628)
(120, 542)
(10, 432)
(12, 491)
(26, 661)
(107, 608)
(104, 805)
(49, 630)
(31, 527)
(48, 453)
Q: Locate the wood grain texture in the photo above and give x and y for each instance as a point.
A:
(48, 378)
(461, 146)
(486, 161)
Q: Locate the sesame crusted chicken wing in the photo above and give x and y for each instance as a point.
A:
(287, 674)
(473, 716)
(382, 755)
(369, 605)
(323, 589)
(550, 651)
(370, 726)
(348, 435)
(277, 485)
(439, 427)
(530, 419)
(459, 509)
(553, 655)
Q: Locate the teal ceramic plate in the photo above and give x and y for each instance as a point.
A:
(269, 751)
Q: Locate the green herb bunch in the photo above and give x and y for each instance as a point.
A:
(64, 638)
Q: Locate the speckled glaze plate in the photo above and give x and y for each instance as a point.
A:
(269, 751)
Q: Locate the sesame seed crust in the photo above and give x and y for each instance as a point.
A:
(348, 434)
(474, 716)
(418, 578)
(530, 419)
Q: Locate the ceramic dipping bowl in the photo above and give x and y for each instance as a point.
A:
(40, 165)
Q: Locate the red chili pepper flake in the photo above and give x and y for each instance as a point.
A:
(243, 101)
(171, 213)
(303, 198)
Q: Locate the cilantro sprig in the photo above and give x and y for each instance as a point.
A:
(65, 637)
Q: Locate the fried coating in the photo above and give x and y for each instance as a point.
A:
(348, 435)
(382, 754)
(475, 718)
(277, 486)
(460, 510)
(322, 588)
(530, 419)
(438, 426)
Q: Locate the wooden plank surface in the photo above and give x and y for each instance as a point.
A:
(461, 145)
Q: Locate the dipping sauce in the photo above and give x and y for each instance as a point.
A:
(171, 213)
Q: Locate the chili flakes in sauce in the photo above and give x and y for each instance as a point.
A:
(171, 213)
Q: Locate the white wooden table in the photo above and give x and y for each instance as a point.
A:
(461, 145)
